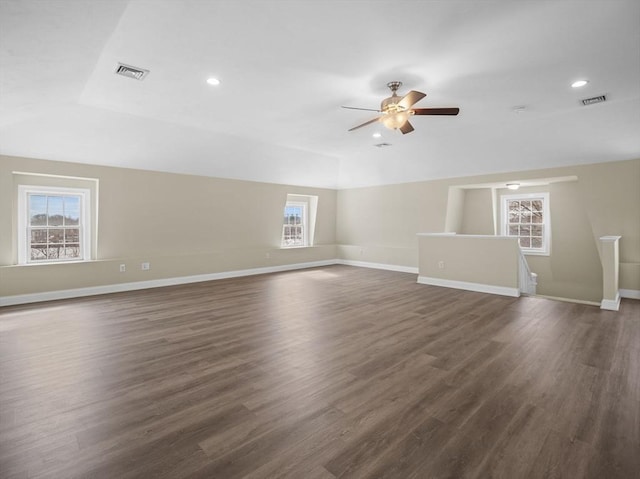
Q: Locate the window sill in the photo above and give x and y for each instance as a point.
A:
(535, 253)
(295, 247)
(19, 265)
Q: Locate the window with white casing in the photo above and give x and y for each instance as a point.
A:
(295, 231)
(53, 224)
(527, 217)
(299, 221)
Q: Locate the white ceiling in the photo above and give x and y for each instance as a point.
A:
(287, 66)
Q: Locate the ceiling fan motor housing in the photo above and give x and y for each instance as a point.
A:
(391, 104)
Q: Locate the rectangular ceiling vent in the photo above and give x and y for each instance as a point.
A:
(131, 72)
(595, 99)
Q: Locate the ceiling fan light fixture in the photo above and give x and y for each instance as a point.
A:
(395, 119)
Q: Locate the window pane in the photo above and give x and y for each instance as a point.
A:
(70, 251)
(38, 210)
(72, 235)
(52, 224)
(293, 233)
(526, 220)
(71, 210)
(292, 214)
(38, 252)
(39, 236)
(55, 210)
(56, 236)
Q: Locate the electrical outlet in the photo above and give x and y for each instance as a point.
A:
(146, 266)
(123, 268)
(267, 255)
(440, 264)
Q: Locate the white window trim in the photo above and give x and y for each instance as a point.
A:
(546, 251)
(23, 220)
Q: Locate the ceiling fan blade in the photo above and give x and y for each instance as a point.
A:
(356, 108)
(406, 128)
(410, 98)
(365, 124)
(436, 111)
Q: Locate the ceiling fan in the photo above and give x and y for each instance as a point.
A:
(396, 110)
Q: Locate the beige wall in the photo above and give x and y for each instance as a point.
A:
(379, 224)
(187, 225)
(605, 200)
(483, 260)
(573, 269)
(183, 225)
(477, 212)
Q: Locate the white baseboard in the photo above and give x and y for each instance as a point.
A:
(155, 283)
(158, 283)
(611, 304)
(477, 287)
(388, 267)
(568, 300)
(630, 293)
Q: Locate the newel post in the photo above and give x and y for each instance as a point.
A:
(610, 270)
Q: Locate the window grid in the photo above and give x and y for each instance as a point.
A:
(54, 227)
(526, 221)
(293, 227)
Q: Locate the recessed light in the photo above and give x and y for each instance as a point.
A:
(377, 134)
(579, 83)
(513, 186)
(213, 81)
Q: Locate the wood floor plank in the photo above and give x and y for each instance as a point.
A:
(321, 373)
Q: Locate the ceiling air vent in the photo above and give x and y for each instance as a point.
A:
(382, 145)
(595, 99)
(131, 72)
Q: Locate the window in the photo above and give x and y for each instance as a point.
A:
(527, 217)
(294, 226)
(53, 224)
(298, 225)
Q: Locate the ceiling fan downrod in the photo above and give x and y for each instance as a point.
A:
(393, 86)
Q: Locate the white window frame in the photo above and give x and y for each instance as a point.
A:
(546, 224)
(305, 224)
(24, 256)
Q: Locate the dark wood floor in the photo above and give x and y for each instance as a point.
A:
(321, 373)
